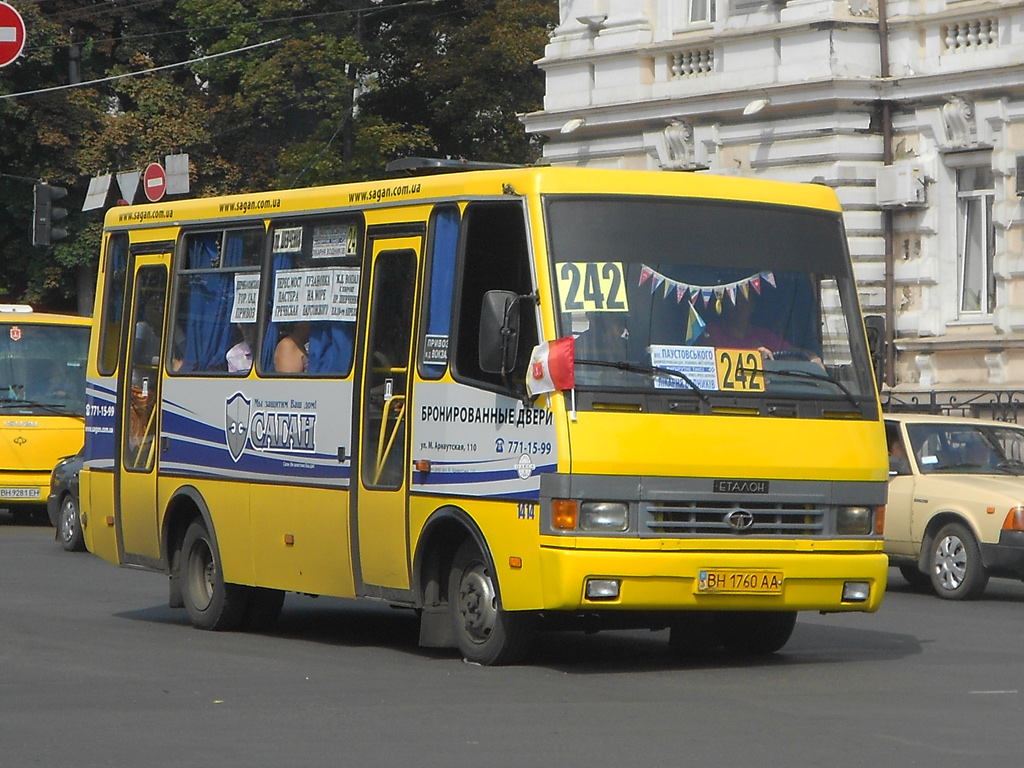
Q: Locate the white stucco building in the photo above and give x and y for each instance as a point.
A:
(916, 120)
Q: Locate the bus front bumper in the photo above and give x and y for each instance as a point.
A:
(576, 579)
(24, 488)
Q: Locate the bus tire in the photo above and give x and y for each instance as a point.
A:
(485, 632)
(209, 601)
(755, 633)
(956, 570)
(264, 608)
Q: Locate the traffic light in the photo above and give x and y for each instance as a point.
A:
(44, 214)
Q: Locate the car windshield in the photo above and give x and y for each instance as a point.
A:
(708, 298)
(42, 368)
(987, 448)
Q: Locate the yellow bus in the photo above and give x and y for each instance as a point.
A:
(509, 399)
(42, 402)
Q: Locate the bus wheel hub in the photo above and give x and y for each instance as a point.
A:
(478, 604)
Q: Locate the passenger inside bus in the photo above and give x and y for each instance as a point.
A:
(290, 355)
(239, 357)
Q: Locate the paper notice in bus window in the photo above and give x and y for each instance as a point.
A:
(334, 242)
(591, 286)
(697, 363)
(316, 294)
(288, 293)
(345, 294)
(288, 240)
(247, 294)
(435, 349)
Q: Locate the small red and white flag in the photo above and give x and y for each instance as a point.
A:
(551, 367)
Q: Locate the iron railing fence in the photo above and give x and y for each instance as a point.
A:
(998, 405)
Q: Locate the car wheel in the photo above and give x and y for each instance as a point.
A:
(210, 602)
(755, 633)
(914, 577)
(69, 526)
(484, 631)
(957, 572)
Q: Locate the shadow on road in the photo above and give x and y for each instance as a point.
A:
(352, 624)
(33, 516)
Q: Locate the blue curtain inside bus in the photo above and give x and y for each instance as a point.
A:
(211, 294)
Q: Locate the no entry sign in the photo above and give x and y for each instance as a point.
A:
(154, 182)
(12, 34)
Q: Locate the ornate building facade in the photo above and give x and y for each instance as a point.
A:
(912, 110)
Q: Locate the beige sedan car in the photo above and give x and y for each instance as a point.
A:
(955, 515)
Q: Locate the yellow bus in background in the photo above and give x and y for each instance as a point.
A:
(42, 402)
(509, 399)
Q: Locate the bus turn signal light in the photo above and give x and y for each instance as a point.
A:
(564, 513)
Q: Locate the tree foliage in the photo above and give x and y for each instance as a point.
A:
(259, 93)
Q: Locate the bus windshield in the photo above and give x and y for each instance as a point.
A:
(42, 368)
(708, 297)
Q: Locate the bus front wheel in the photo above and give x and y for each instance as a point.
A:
(486, 633)
(209, 601)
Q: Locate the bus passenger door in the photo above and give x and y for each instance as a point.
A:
(380, 498)
(136, 502)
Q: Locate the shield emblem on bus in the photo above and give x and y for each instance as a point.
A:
(236, 424)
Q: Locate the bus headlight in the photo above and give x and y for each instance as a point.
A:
(853, 521)
(604, 516)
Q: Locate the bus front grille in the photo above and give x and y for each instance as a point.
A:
(702, 518)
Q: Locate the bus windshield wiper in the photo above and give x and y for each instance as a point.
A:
(58, 408)
(648, 370)
(824, 379)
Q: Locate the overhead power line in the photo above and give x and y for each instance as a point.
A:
(142, 71)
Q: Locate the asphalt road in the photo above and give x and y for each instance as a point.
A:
(95, 670)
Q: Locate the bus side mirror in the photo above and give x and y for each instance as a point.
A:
(874, 325)
(499, 331)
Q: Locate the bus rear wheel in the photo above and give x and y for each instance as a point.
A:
(209, 601)
(486, 633)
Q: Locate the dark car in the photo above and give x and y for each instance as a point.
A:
(62, 503)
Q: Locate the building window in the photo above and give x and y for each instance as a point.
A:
(702, 11)
(975, 239)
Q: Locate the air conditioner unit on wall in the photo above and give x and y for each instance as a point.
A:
(901, 185)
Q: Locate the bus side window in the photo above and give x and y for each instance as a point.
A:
(210, 318)
(440, 279)
(495, 257)
(312, 298)
(115, 270)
